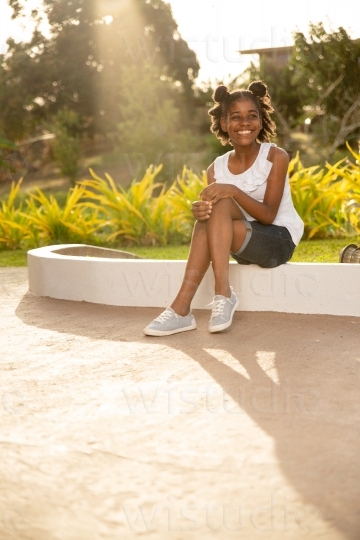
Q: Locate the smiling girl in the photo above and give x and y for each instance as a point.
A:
(246, 209)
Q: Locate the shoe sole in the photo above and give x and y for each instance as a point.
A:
(224, 326)
(157, 333)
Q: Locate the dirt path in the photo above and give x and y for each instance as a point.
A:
(106, 434)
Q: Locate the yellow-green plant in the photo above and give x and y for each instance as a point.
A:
(324, 199)
(75, 222)
(97, 210)
(350, 174)
(134, 215)
(184, 191)
(13, 223)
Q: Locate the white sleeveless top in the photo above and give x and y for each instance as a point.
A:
(253, 182)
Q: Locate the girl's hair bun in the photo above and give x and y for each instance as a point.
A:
(258, 88)
(220, 94)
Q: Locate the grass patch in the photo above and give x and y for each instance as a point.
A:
(322, 251)
(314, 251)
(13, 258)
(172, 253)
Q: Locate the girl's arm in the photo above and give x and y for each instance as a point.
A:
(202, 209)
(264, 212)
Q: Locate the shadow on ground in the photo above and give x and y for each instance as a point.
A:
(296, 376)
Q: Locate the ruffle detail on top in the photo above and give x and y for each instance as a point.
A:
(257, 175)
(251, 179)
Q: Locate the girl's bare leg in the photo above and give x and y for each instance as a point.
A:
(226, 232)
(212, 240)
(197, 264)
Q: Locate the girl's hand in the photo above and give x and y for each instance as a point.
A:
(214, 192)
(201, 210)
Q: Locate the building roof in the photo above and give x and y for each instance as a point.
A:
(277, 55)
(269, 50)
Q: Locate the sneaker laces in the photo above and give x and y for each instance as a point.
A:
(218, 305)
(165, 315)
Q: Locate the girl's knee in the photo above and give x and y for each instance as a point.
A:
(226, 207)
(222, 206)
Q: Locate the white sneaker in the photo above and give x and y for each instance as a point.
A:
(169, 323)
(222, 312)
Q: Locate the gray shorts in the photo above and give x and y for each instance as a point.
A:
(267, 246)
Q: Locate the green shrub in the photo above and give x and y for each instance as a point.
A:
(76, 222)
(135, 215)
(14, 229)
(326, 200)
(184, 191)
(97, 210)
(66, 146)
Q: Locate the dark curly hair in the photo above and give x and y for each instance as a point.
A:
(258, 93)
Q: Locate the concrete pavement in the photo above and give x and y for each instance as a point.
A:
(107, 434)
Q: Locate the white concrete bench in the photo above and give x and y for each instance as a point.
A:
(314, 288)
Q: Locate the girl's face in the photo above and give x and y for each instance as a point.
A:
(242, 123)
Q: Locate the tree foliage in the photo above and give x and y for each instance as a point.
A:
(78, 67)
(326, 71)
(149, 130)
(66, 146)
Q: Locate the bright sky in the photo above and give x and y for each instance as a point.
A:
(216, 29)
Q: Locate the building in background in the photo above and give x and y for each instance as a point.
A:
(278, 55)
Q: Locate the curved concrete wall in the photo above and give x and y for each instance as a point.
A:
(332, 289)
